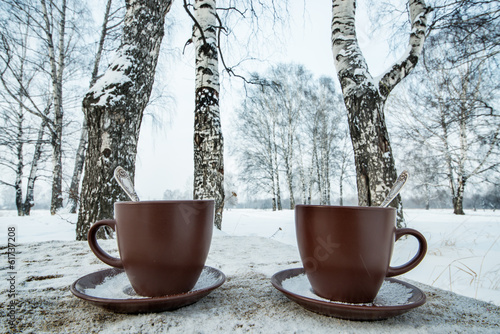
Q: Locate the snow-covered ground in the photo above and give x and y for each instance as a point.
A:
(463, 254)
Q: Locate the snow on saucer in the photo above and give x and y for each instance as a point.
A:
(118, 286)
(390, 294)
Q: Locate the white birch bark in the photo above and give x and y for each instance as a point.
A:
(271, 174)
(276, 164)
(303, 184)
(114, 107)
(30, 184)
(208, 139)
(57, 65)
(18, 183)
(365, 96)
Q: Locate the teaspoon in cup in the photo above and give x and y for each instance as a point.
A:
(123, 179)
(396, 188)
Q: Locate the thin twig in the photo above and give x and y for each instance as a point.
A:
(196, 23)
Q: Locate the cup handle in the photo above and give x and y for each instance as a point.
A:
(98, 251)
(422, 249)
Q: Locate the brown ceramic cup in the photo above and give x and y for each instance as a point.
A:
(163, 245)
(346, 251)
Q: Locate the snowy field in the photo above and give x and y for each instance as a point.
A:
(463, 254)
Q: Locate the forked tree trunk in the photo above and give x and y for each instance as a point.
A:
(365, 96)
(208, 140)
(114, 107)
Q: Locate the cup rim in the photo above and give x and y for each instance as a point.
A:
(163, 202)
(344, 207)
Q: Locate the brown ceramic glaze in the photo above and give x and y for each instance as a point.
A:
(346, 251)
(163, 245)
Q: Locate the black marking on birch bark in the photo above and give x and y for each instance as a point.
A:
(205, 70)
(106, 152)
(207, 96)
(209, 50)
(206, 5)
(198, 139)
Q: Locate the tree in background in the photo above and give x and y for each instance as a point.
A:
(365, 97)
(469, 27)
(50, 29)
(114, 108)
(290, 89)
(451, 107)
(16, 75)
(207, 30)
(257, 124)
(208, 139)
(111, 21)
(322, 122)
(289, 123)
(454, 117)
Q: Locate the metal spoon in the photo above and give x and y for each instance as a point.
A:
(396, 188)
(123, 179)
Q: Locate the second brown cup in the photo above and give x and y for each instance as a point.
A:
(163, 245)
(346, 251)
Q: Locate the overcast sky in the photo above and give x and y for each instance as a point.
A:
(165, 155)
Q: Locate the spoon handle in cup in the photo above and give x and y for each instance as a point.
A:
(125, 182)
(396, 188)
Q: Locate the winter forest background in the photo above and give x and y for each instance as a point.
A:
(287, 137)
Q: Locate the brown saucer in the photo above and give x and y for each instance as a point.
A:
(138, 304)
(349, 311)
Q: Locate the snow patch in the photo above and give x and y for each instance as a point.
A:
(118, 286)
(390, 294)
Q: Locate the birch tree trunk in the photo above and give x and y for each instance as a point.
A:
(18, 185)
(276, 168)
(208, 140)
(271, 172)
(82, 145)
(302, 174)
(343, 169)
(289, 176)
(74, 188)
(30, 187)
(57, 65)
(114, 107)
(365, 96)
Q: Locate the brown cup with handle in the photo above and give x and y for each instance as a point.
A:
(163, 245)
(346, 251)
